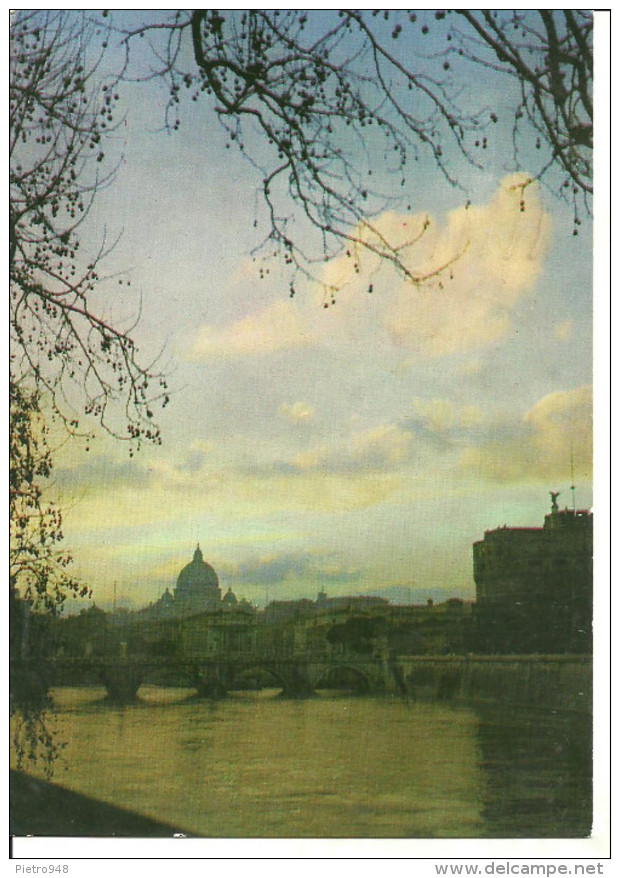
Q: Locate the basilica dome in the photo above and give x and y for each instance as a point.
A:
(230, 599)
(198, 585)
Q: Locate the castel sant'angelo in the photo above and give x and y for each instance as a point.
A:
(534, 584)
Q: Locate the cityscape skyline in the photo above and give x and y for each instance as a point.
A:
(356, 448)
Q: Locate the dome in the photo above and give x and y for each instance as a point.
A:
(230, 598)
(166, 598)
(198, 584)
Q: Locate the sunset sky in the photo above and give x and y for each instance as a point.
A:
(359, 448)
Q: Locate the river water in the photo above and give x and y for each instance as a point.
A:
(257, 765)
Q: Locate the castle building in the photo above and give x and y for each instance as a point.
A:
(534, 585)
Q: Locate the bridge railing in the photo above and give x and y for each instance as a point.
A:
(260, 655)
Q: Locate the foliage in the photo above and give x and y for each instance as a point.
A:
(37, 566)
(65, 354)
(358, 634)
(39, 578)
(334, 109)
(33, 737)
(61, 113)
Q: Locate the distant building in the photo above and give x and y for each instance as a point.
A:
(351, 603)
(360, 624)
(197, 591)
(534, 585)
(276, 611)
(198, 588)
(279, 610)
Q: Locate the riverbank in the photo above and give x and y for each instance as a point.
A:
(40, 808)
(562, 682)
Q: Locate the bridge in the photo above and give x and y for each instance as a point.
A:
(218, 653)
(560, 682)
(297, 675)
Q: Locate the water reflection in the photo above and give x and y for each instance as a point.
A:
(259, 765)
(538, 770)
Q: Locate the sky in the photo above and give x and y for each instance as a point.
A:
(355, 449)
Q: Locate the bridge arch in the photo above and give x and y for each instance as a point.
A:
(257, 673)
(174, 675)
(343, 676)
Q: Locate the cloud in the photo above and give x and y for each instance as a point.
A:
(100, 469)
(317, 489)
(110, 473)
(470, 367)
(380, 449)
(297, 413)
(556, 429)
(442, 415)
(384, 446)
(564, 330)
(177, 495)
(290, 569)
(440, 425)
(279, 327)
(492, 255)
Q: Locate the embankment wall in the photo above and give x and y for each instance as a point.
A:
(561, 682)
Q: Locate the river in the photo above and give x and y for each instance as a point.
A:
(257, 765)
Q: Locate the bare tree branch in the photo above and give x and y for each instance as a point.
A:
(318, 88)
